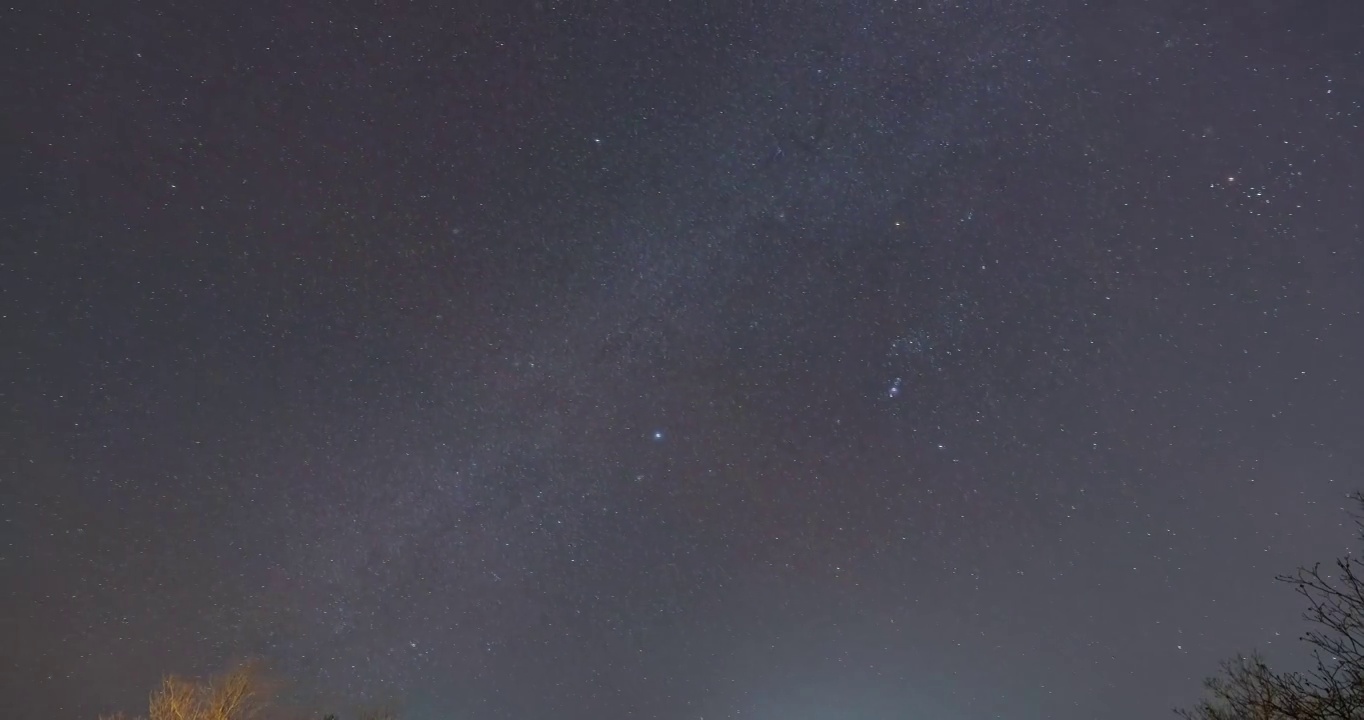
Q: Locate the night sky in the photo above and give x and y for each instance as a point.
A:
(801, 360)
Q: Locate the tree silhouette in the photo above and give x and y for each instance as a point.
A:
(1248, 689)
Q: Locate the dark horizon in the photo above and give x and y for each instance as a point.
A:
(708, 360)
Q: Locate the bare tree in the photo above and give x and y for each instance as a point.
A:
(1248, 689)
(242, 693)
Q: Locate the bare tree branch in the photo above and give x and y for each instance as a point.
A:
(242, 693)
(1248, 689)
